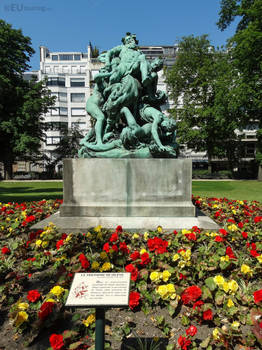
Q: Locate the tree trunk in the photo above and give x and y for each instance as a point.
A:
(259, 176)
(8, 170)
(210, 168)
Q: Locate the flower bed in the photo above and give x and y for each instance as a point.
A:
(198, 289)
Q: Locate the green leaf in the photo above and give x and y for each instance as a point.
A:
(76, 317)
(170, 347)
(76, 345)
(185, 320)
(219, 297)
(210, 283)
(206, 294)
(160, 320)
(205, 342)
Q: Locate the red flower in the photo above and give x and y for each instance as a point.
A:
(183, 342)
(134, 298)
(84, 262)
(196, 229)
(31, 259)
(45, 310)
(254, 253)
(208, 315)
(175, 232)
(191, 294)
(145, 260)
(30, 218)
(219, 239)
(223, 232)
(182, 277)
(64, 235)
(115, 247)
(192, 330)
(244, 235)
(134, 271)
(5, 250)
(119, 229)
(229, 253)
(240, 224)
(56, 341)
(197, 305)
(257, 296)
(135, 255)
(191, 236)
(123, 247)
(257, 219)
(59, 244)
(157, 244)
(106, 247)
(114, 237)
(33, 295)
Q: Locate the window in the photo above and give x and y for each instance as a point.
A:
(59, 111)
(54, 57)
(77, 97)
(66, 57)
(57, 126)
(56, 81)
(53, 140)
(76, 112)
(62, 96)
(77, 82)
(77, 57)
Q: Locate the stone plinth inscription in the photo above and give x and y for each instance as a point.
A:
(99, 289)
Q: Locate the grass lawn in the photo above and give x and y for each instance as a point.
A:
(33, 191)
(249, 190)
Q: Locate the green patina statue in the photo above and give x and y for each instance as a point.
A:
(126, 107)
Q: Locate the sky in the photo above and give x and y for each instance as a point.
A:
(66, 25)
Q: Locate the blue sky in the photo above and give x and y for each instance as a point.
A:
(66, 25)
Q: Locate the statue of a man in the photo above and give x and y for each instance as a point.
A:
(132, 61)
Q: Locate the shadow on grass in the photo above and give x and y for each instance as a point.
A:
(134, 343)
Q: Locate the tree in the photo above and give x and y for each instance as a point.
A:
(67, 148)
(205, 89)
(21, 102)
(247, 54)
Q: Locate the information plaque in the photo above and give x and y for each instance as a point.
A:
(99, 290)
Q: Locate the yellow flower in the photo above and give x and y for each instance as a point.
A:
(232, 227)
(146, 235)
(21, 317)
(181, 264)
(90, 319)
(23, 306)
(184, 232)
(215, 206)
(216, 334)
(259, 258)
(45, 244)
(159, 229)
(95, 265)
(155, 276)
(165, 275)
(69, 237)
(234, 211)
(175, 257)
(230, 303)
(163, 291)
(57, 290)
(224, 258)
(245, 269)
(233, 286)
(187, 255)
(88, 235)
(10, 229)
(219, 280)
(98, 228)
(207, 234)
(135, 236)
(142, 251)
(7, 219)
(241, 202)
(225, 286)
(38, 243)
(235, 325)
(106, 267)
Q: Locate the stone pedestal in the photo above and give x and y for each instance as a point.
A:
(127, 187)
(134, 193)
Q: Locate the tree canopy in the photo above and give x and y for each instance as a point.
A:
(205, 88)
(21, 102)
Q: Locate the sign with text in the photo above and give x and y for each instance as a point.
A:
(99, 289)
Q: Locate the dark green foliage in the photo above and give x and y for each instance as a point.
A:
(21, 102)
(209, 86)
